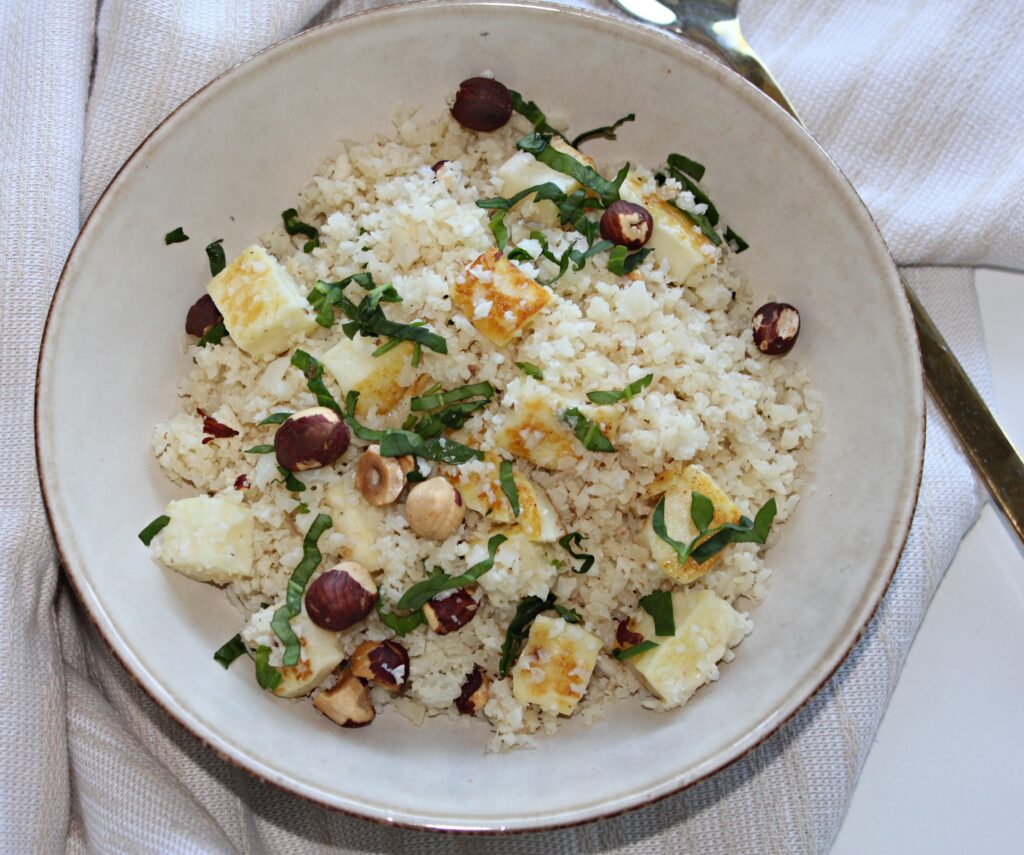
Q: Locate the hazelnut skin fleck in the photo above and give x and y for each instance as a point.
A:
(626, 224)
(625, 636)
(310, 439)
(776, 327)
(482, 104)
(341, 597)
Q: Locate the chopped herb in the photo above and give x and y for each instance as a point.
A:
(429, 588)
(214, 335)
(533, 114)
(710, 541)
(442, 399)
(631, 391)
(530, 370)
(586, 431)
(736, 243)
(684, 164)
(294, 226)
(267, 675)
(635, 650)
(360, 430)
(311, 558)
(153, 529)
(301, 508)
(291, 483)
(607, 132)
(401, 624)
(259, 449)
(540, 147)
(314, 371)
(275, 419)
(417, 355)
(175, 236)
(397, 443)
(518, 629)
(687, 172)
(620, 262)
(215, 254)
(574, 539)
(508, 486)
(499, 229)
(658, 605)
(230, 651)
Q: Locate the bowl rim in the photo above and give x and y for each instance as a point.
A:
(774, 720)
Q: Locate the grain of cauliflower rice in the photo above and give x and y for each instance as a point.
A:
(717, 432)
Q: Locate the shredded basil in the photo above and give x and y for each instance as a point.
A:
(267, 675)
(710, 541)
(630, 391)
(275, 419)
(682, 163)
(301, 508)
(658, 605)
(314, 371)
(294, 226)
(539, 145)
(574, 539)
(687, 172)
(215, 254)
(441, 399)
(635, 650)
(533, 113)
(311, 558)
(518, 630)
(398, 443)
(153, 529)
(259, 449)
(621, 261)
(291, 483)
(175, 236)
(508, 486)
(230, 651)
(586, 431)
(607, 132)
(400, 624)
(530, 370)
(214, 335)
(736, 243)
(429, 588)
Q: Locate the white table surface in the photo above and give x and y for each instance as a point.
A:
(944, 773)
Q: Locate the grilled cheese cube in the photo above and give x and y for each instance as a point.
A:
(208, 539)
(534, 431)
(358, 520)
(523, 170)
(555, 666)
(678, 488)
(375, 378)
(497, 297)
(674, 237)
(319, 652)
(706, 627)
(479, 484)
(263, 308)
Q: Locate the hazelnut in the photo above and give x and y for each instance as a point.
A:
(203, 315)
(434, 508)
(311, 438)
(625, 636)
(341, 597)
(381, 479)
(385, 663)
(776, 326)
(626, 224)
(437, 167)
(450, 611)
(482, 104)
(475, 692)
(347, 702)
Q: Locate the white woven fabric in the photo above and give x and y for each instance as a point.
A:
(920, 102)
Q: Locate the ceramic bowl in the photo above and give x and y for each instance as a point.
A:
(227, 162)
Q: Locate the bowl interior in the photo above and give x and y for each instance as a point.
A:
(233, 157)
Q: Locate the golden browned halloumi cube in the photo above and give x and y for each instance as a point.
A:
(263, 308)
(497, 297)
(375, 378)
(479, 484)
(678, 488)
(534, 431)
(555, 666)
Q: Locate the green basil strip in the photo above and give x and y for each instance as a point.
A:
(530, 370)
(499, 229)
(540, 147)
(230, 651)
(432, 402)
(275, 419)
(613, 397)
(314, 371)
(659, 606)
(426, 590)
(737, 243)
(291, 483)
(709, 542)
(363, 432)
(702, 511)
(635, 650)
(518, 629)
(267, 675)
(214, 335)
(400, 624)
(568, 615)
(574, 539)
(175, 236)
(508, 486)
(684, 164)
(378, 325)
(586, 431)
(607, 132)
(153, 529)
(634, 260)
(707, 221)
(215, 254)
(387, 347)
(620, 262)
(533, 114)
(301, 508)
(259, 449)
(311, 558)
(294, 226)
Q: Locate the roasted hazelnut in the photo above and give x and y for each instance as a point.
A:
(475, 692)
(347, 702)
(381, 479)
(482, 104)
(450, 611)
(776, 326)
(310, 438)
(203, 315)
(625, 636)
(437, 167)
(626, 224)
(341, 597)
(434, 508)
(385, 663)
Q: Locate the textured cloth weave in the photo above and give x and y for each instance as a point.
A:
(920, 103)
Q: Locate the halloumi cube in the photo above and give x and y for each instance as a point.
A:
(479, 484)
(674, 237)
(208, 539)
(497, 297)
(263, 308)
(555, 666)
(534, 431)
(375, 378)
(319, 653)
(358, 521)
(523, 170)
(679, 488)
(706, 627)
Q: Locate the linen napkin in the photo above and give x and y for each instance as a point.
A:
(918, 102)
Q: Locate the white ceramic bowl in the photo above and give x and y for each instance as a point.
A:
(231, 158)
